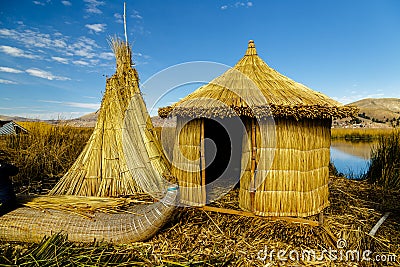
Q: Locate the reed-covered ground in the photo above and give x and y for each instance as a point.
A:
(199, 238)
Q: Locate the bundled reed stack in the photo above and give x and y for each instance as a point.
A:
(122, 156)
(284, 161)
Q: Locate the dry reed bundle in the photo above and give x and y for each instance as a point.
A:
(85, 206)
(136, 223)
(122, 156)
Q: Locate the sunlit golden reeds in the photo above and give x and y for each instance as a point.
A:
(44, 154)
(384, 166)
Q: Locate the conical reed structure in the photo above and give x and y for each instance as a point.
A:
(122, 155)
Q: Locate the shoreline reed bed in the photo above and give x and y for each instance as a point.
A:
(42, 155)
(385, 162)
(362, 134)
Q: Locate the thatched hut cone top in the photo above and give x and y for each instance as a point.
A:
(283, 97)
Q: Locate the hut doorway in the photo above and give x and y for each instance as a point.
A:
(222, 153)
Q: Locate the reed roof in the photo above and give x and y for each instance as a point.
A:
(252, 88)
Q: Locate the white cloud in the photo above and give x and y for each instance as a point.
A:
(60, 60)
(80, 62)
(41, 3)
(10, 70)
(94, 106)
(118, 18)
(66, 3)
(83, 47)
(6, 32)
(32, 38)
(51, 101)
(106, 55)
(62, 45)
(140, 55)
(45, 75)
(88, 41)
(7, 82)
(55, 46)
(136, 15)
(98, 27)
(16, 52)
(38, 3)
(94, 62)
(92, 6)
(238, 5)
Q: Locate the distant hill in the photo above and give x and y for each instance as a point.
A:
(14, 118)
(381, 109)
(373, 113)
(89, 120)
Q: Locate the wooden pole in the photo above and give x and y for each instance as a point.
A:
(253, 164)
(126, 35)
(378, 224)
(251, 214)
(203, 164)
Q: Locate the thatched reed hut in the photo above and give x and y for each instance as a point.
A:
(267, 130)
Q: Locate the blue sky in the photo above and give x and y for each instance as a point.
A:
(54, 55)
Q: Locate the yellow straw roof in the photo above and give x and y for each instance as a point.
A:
(254, 89)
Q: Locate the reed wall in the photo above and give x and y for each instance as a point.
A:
(186, 166)
(291, 177)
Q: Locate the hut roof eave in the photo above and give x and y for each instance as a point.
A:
(294, 111)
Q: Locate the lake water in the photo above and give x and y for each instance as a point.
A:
(351, 158)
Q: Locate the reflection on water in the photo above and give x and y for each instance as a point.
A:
(351, 158)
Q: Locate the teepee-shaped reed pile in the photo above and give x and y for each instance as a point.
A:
(122, 157)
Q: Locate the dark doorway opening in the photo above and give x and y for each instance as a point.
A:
(223, 151)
